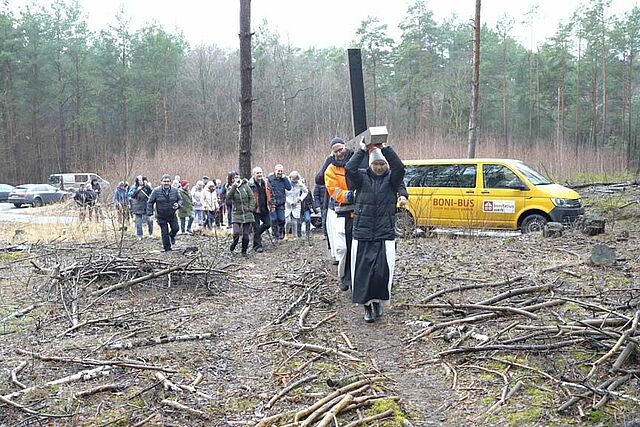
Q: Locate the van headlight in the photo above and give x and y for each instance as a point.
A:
(567, 203)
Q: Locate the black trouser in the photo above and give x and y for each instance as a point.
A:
(245, 229)
(229, 214)
(168, 236)
(258, 228)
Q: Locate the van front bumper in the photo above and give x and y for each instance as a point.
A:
(565, 215)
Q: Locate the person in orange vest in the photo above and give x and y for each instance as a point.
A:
(340, 212)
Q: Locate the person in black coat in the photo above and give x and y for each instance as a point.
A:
(373, 244)
(167, 201)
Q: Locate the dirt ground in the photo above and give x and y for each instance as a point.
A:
(214, 341)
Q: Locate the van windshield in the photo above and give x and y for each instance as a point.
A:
(54, 179)
(536, 178)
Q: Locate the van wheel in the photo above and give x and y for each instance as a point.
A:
(532, 223)
(405, 224)
(37, 202)
(17, 205)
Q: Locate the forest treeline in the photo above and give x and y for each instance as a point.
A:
(72, 98)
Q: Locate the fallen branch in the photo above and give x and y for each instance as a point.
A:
(14, 374)
(23, 311)
(514, 292)
(138, 280)
(94, 362)
(23, 408)
(481, 307)
(302, 296)
(346, 389)
(533, 347)
(318, 349)
(180, 407)
(146, 342)
(288, 388)
(82, 375)
(320, 323)
(474, 286)
(328, 418)
(629, 332)
(100, 389)
(365, 421)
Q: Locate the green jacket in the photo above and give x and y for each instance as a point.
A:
(187, 204)
(243, 203)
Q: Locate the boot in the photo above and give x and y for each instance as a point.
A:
(377, 309)
(245, 246)
(234, 243)
(368, 314)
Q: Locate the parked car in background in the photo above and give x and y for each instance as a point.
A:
(5, 189)
(72, 181)
(36, 195)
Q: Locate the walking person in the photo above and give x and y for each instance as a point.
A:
(306, 208)
(85, 198)
(373, 250)
(243, 205)
(261, 214)
(167, 201)
(293, 205)
(231, 178)
(221, 192)
(210, 205)
(185, 213)
(279, 184)
(198, 203)
(121, 202)
(320, 201)
(139, 194)
(340, 211)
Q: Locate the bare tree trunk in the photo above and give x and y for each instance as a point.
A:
(604, 84)
(577, 124)
(475, 85)
(594, 106)
(244, 143)
(505, 99)
(629, 107)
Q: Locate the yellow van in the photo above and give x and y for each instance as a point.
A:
(483, 193)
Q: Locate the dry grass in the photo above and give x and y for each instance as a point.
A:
(559, 162)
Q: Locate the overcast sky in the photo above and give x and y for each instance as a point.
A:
(324, 23)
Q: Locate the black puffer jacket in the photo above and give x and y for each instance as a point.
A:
(376, 197)
(164, 200)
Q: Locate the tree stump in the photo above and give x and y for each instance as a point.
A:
(553, 229)
(591, 225)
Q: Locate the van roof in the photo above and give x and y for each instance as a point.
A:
(461, 161)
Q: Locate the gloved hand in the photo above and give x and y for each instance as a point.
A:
(350, 197)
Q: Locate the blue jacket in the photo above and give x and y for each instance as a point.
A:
(278, 187)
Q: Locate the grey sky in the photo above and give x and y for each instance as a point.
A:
(325, 23)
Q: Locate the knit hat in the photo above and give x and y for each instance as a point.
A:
(376, 155)
(184, 183)
(336, 140)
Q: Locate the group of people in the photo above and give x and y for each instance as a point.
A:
(356, 191)
(279, 202)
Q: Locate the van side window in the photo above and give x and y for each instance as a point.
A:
(81, 178)
(414, 176)
(499, 176)
(454, 175)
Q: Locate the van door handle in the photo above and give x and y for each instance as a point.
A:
(469, 192)
(484, 192)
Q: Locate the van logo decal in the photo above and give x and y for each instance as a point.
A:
(440, 202)
(499, 206)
